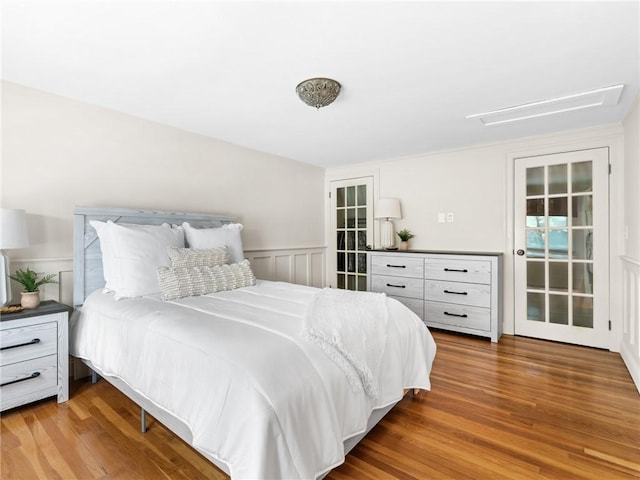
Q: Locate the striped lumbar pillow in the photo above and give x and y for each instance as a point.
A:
(178, 282)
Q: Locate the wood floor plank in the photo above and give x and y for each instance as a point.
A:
(73, 453)
(520, 409)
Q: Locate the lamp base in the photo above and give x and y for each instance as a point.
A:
(5, 282)
(387, 234)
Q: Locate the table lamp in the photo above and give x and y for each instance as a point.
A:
(386, 209)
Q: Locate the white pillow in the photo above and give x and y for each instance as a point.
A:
(107, 253)
(229, 235)
(131, 255)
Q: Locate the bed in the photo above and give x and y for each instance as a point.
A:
(244, 375)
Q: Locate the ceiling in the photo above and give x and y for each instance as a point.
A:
(410, 71)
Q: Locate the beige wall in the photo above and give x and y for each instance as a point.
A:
(468, 183)
(629, 275)
(632, 182)
(58, 153)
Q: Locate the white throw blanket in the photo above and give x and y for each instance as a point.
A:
(351, 329)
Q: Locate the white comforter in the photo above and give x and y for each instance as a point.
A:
(234, 367)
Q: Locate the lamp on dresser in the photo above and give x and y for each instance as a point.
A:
(13, 234)
(386, 209)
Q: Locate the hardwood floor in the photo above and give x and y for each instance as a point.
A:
(520, 409)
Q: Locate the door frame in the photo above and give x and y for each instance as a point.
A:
(337, 175)
(371, 224)
(611, 137)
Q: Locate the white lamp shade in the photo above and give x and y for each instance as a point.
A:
(13, 228)
(387, 208)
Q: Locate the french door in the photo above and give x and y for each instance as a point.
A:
(562, 247)
(352, 230)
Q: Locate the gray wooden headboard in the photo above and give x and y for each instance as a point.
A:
(87, 256)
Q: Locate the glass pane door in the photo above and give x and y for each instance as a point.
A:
(562, 247)
(352, 222)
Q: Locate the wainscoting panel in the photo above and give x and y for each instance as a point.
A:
(304, 266)
(630, 347)
(283, 268)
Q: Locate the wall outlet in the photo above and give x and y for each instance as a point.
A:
(441, 217)
(450, 217)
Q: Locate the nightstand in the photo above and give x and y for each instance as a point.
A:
(34, 355)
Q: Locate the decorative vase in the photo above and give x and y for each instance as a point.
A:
(30, 299)
(404, 245)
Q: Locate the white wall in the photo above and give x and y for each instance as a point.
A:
(476, 185)
(631, 126)
(630, 258)
(58, 153)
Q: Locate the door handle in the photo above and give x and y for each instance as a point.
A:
(520, 252)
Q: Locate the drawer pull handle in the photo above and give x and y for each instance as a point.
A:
(32, 342)
(456, 293)
(396, 286)
(455, 270)
(396, 266)
(33, 375)
(464, 315)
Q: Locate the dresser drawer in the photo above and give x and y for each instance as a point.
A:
(457, 315)
(474, 294)
(416, 305)
(27, 342)
(397, 265)
(28, 381)
(398, 286)
(472, 271)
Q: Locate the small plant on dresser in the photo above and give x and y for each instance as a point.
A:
(405, 235)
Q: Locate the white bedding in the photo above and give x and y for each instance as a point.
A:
(234, 367)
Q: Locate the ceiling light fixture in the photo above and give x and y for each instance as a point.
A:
(318, 92)
(592, 98)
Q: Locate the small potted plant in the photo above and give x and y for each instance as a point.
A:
(405, 235)
(31, 281)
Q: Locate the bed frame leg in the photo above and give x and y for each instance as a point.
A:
(415, 391)
(94, 377)
(143, 420)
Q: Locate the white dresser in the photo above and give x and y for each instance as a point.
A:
(34, 355)
(452, 291)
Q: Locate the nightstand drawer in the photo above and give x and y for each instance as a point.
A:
(472, 271)
(398, 286)
(27, 381)
(397, 265)
(457, 315)
(474, 294)
(27, 342)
